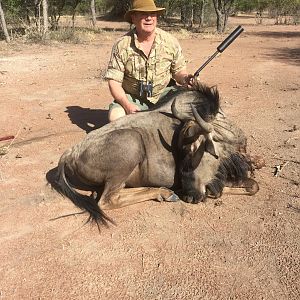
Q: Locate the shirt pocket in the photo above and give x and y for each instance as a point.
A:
(133, 65)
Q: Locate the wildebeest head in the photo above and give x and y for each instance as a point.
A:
(211, 156)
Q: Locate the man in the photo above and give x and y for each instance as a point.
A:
(142, 62)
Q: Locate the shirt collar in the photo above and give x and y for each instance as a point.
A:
(157, 39)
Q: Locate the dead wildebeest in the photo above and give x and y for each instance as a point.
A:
(138, 157)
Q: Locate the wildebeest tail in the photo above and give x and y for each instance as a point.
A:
(84, 202)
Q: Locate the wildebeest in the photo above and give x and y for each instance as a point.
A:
(151, 154)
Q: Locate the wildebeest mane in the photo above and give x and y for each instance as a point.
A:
(208, 103)
(206, 100)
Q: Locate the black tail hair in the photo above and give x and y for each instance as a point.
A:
(84, 202)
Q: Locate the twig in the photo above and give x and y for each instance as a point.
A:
(296, 209)
(292, 161)
(68, 215)
(4, 150)
(279, 168)
(143, 264)
(6, 138)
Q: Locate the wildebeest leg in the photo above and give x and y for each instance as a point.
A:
(128, 196)
(248, 187)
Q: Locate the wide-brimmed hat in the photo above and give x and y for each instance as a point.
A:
(143, 6)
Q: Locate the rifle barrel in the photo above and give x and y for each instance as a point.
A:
(196, 74)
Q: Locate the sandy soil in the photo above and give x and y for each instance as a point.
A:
(238, 248)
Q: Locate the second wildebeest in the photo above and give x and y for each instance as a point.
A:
(136, 158)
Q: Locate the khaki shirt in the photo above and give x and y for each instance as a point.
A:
(128, 63)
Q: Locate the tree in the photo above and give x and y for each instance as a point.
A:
(37, 14)
(119, 8)
(3, 24)
(55, 11)
(283, 10)
(75, 4)
(201, 12)
(93, 11)
(45, 17)
(249, 6)
(223, 9)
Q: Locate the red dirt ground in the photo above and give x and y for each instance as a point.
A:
(237, 248)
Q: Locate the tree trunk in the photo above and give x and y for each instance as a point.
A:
(183, 14)
(191, 16)
(220, 23)
(93, 11)
(201, 16)
(223, 9)
(55, 13)
(45, 17)
(74, 13)
(26, 11)
(37, 14)
(258, 17)
(3, 24)
(225, 21)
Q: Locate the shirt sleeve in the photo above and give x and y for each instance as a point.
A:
(179, 62)
(115, 69)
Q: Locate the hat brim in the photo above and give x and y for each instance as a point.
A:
(158, 10)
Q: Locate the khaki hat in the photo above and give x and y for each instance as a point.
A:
(143, 6)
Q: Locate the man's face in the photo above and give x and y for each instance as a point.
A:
(145, 22)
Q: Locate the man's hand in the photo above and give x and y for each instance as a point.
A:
(185, 79)
(189, 81)
(119, 95)
(130, 108)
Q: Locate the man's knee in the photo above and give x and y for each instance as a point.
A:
(116, 113)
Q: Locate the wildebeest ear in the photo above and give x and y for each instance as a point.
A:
(177, 114)
(210, 148)
(197, 156)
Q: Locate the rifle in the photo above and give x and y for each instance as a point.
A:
(222, 47)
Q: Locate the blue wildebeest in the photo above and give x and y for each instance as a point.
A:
(213, 158)
(178, 144)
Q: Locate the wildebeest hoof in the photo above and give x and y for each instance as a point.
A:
(193, 199)
(172, 198)
(167, 195)
(251, 186)
(160, 198)
(187, 199)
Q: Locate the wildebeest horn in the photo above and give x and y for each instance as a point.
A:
(180, 116)
(208, 128)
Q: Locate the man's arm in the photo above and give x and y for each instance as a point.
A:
(119, 95)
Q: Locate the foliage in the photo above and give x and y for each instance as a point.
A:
(117, 8)
(191, 13)
(284, 10)
(13, 9)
